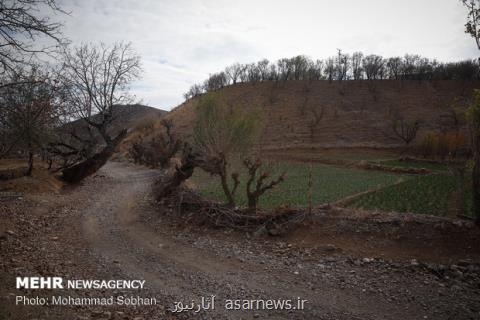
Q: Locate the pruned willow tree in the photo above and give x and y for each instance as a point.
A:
(220, 135)
(223, 137)
(96, 78)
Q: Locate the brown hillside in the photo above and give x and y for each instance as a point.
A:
(356, 113)
(126, 116)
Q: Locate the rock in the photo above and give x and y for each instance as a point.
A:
(414, 262)
(328, 248)
(10, 232)
(96, 313)
(357, 262)
(464, 263)
(260, 231)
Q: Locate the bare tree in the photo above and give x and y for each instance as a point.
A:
(216, 81)
(253, 73)
(394, 67)
(234, 72)
(314, 121)
(357, 70)
(300, 66)
(263, 69)
(315, 71)
(472, 27)
(272, 73)
(373, 65)
(330, 69)
(98, 78)
(284, 68)
(404, 129)
(29, 113)
(21, 25)
(194, 91)
(342, 65)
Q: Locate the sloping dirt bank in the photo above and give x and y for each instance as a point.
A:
(110, 228)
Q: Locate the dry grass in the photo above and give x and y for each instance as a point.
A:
(41, 181)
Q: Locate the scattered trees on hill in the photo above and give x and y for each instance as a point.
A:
(356, 66)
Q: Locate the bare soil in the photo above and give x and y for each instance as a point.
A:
(348, 265)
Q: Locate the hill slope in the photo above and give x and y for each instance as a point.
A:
(125, 116)
(355, 113)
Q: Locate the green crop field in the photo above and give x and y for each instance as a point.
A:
(427, 194)
(330, 183)
(431, 194)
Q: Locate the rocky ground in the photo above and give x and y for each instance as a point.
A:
(346, 265)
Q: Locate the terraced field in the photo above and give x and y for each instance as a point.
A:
(329, 183)
(432, 194)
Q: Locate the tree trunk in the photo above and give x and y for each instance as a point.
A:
(226, 190)
(30, 164)
(476, 189)
(166, 186)
(80, 171)
(252, 201)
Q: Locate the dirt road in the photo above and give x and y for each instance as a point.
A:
(110, 228)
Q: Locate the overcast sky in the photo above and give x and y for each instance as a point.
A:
(182, 41)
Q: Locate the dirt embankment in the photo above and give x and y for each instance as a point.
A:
(347, 265)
